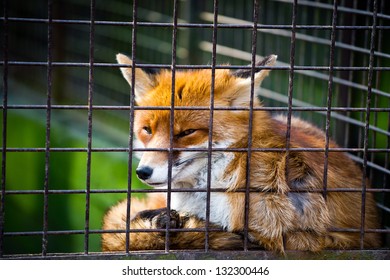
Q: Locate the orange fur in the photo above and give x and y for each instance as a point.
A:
(116, 217)
(282, 213)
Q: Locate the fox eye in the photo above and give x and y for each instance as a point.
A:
(147, 129)
(185, 133)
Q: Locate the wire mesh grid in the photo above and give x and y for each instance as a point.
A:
(56, 72)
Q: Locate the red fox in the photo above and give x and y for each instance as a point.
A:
(287, 210)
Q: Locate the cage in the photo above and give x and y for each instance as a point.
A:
(67, 115)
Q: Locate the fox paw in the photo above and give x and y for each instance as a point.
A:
(161, 218)
(171, 219)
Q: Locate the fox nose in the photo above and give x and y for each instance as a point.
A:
(144, 172)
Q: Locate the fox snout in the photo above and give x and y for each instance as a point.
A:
(144, 172)
(153, 169)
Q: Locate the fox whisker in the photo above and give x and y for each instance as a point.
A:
(189, 160)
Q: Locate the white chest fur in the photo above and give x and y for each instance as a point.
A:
(195, 203)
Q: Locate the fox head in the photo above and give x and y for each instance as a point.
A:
(190, 127)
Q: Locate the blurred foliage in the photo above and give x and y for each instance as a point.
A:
(26, 171)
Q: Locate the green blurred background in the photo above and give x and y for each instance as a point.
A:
(27, 85)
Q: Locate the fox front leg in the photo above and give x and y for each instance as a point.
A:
(144, 220)
(158, 219)
(218, 240)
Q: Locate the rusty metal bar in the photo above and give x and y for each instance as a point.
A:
(329, 98)
(4, 126)
(90, 113)
(46, 186)
(131, 123)
(367, 121)
(211, 124)
(222, 255)
(195, 25)
(171, 120)
(255, 17)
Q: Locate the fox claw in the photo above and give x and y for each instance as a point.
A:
(163, 219)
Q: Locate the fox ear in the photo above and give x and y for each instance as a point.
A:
(143, 81)
(243, 82)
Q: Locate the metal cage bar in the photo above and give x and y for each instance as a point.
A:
(131, 125)
(48, 129)
(256, 7)
(91, 77)
(368, 102)
(4, 127)
(211, 124)
(329, 97)
(171, 119)
(290, 90)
